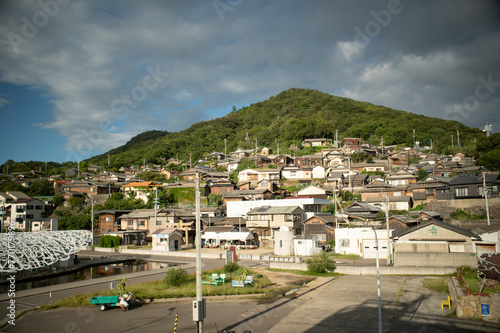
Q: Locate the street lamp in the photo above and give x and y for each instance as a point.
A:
(346, 216)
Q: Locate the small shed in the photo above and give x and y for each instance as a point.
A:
(305, 245)
(167, 240)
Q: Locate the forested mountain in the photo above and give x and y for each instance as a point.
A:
(290, 117)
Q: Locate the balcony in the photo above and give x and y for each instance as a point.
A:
(257, 223)
(20, 210)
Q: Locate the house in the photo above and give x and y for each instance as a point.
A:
(426, 190)
(470, 186)
(167, 173)
(25, 210)
(399, 158)
(242, 153)
(294, 172)
(243, 195)
(382, 190)
(141, 190)
(256, 175)
(282, 160)
(45, 224)
(361, 241)
(190, 174)
(426, 215)
(109, 220)
(317, 142)
(318, 172)
(309, 160)
(266, 151)
(434, 243)
(490, 239)
(219, 186)
(404, 202)
(362, 209)
(399, 223)
(351, 143)
(321, 225)
(312, 191)
(265, 220)
(167, 240)
(309, 205)
(401, 177)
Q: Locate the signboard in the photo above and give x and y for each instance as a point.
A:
(485, 310)
(433, 231)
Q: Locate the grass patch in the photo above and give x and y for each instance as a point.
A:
(306, 273)
(162, 289)
(471, 280)
(344, 256)
(438, 284)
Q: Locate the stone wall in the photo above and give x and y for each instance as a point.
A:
(469, 306)
(476, 206)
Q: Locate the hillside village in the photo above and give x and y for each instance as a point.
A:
(416, 202)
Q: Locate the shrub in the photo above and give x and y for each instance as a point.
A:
(231, 267)
(320, 263)
(109, 241)
(176, 276)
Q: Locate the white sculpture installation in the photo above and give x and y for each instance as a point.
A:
(30, 250)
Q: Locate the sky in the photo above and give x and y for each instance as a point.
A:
(78, 78)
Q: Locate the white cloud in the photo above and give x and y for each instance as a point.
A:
(95, 52)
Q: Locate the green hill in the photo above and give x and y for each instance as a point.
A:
(290, 117)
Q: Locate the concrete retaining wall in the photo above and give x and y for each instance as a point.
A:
(371, 270)
(288, 265)
(181, 254)
(434, 259)
(104, 249)
(469, 306)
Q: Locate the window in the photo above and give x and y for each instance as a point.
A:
(107, 219)
(29, 206)
(461, 192)
(130, 223)
(344, 242)
(38, 207)
(29, 216)
(141, 223)
(293, 173)
(281, 243)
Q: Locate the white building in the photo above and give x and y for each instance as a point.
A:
(318, 172)
(361, 241)
(25, 210)
(309, 205)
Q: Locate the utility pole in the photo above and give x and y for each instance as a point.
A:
(389, 249)
(349, 163)
(199, 304)
(225, 148)
(458, 139)
(336, 138)
(451, 141)
(485, 191)
(92, 219)
(256, 152)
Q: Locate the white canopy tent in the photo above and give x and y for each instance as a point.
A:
(227, 236)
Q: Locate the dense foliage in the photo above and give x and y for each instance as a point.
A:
(320, 263)
(110, 241)
(176, 276)
(285, 120)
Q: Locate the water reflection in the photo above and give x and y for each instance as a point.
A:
(94, 272)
